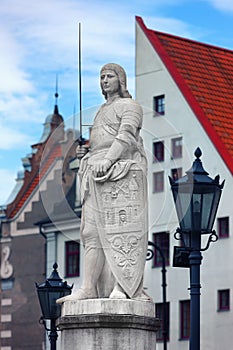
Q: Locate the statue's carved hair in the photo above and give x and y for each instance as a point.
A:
(122, 78)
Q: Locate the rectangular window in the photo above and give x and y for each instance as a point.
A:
(158, 151)
(184, 319)
(159, 105)
(162, 240)
(176, 173)
(160, 312)
(223, 227)
(72, 259)
(224, 300)
(158, 181)
(177, 147)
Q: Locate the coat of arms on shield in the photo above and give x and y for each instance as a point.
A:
(122, 226)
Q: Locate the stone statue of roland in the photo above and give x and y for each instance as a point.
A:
(114, 197)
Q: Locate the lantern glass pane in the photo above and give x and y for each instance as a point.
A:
(44, 301)
(196, 210)
(206, 211)
(215, 203)
(55, 309)
(184, 210)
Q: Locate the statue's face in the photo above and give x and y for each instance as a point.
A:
(109, 82)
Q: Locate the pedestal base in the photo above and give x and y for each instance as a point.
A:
(108, 324)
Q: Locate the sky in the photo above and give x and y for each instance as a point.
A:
(39, 42)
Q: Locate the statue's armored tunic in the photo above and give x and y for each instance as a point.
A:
(115, 136)
(118, 122)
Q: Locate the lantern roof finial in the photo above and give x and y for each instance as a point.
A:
(54, 275)
(197, 167)
(198, 153)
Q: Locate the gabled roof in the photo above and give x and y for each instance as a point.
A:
(33, 181)
(204, 75)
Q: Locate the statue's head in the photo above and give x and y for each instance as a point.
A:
(120, 72)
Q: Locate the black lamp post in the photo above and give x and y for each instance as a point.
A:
(48, 292)
(196, 197)
(150, 255)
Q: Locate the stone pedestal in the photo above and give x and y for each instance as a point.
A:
(108, 324)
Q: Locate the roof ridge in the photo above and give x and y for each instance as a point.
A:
(192, 41)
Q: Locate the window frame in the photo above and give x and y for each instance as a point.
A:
(177, 150)
(179, 172)
(222, 305)
(70, 255)
(157, 186)
(159, 105)
(158, 151)
(184, 319)
(220, 223)
(164, 245)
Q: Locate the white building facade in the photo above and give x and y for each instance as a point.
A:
(172, 131)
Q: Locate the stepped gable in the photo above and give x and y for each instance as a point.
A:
(204, 75)
(31, 180)
(57, 203)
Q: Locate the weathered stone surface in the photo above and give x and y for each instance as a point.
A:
(105, 324)
(108, 307)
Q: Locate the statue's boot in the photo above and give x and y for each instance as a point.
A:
(94, 261)
(118, 292)
(140, 295)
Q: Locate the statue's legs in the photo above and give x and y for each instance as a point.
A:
(94, 260)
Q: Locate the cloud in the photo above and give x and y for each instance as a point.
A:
(13, 78)
(21, 119)
(50, 28)
(40, 39)
(223, 5)
(7, 182)
(48, 35)
(11, 138)
(20, 108)
(174, 26)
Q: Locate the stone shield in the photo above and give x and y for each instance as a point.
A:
(122, 217)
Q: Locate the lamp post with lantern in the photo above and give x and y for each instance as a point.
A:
(196, 197)
(48, 292)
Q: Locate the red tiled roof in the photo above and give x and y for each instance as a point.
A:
(204, 74)
(41, 171)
